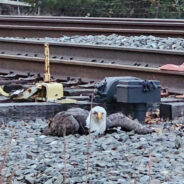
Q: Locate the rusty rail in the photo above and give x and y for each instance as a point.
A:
(57, 26)
(14, 17)
(48, 31)
(98, 54)
(171, 80)
(160, 24)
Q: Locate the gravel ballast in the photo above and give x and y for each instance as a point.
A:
(145, 42)
(117, 158)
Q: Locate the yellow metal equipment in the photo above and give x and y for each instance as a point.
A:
(50, 91)
(2, 92)
(45, 91)
(47, 63)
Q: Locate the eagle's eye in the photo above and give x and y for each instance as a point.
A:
(95, 113)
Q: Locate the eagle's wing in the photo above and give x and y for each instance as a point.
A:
(127, 124)
(66, 122)
(81, 116)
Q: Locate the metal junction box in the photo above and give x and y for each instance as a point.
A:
(138, 91)
(106, 90)
(129, 95)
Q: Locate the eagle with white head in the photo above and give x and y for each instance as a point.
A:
(96, 120)
(77, 120)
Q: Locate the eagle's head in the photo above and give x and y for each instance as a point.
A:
(96, 120)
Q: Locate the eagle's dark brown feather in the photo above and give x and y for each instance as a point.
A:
(71, 121)
(127, 124)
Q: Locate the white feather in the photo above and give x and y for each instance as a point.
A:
(96, 125)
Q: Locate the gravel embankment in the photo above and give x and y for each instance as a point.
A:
(146, 42)
(117, 158)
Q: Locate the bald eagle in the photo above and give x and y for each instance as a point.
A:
(96, 120)
(77, 120)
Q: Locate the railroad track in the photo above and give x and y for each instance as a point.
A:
(55, 27)
(89, 70)
(93, 22)
(48, 31)
(93, 62)
(96, 54)
(91, 18)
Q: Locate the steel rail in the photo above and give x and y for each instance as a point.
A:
(96, 71)
(46, 31)
(86, 18)
(106, 54)
(94, 23)
(14, 17)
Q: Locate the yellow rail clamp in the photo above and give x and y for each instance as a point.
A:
(50, 91)
(2, 92)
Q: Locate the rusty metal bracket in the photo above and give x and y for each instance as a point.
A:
(24, 94)
(40, 91)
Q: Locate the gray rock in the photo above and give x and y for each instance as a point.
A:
(155, 181)
(58, 179)
(50, 181)
(149, 42)
(144, 179)
(122, 155)
(29, 179)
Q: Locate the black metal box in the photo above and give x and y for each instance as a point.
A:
(106, 90)
(138, 91)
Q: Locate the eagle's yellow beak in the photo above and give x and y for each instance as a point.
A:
(99, 115)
